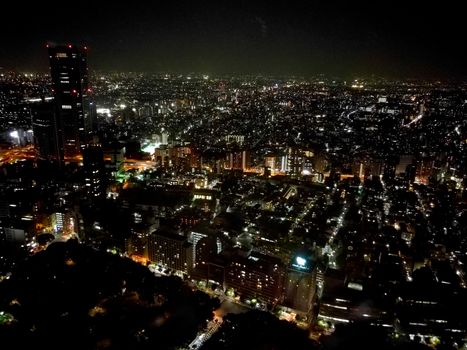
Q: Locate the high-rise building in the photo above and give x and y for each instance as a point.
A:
(238, 160)
(270, 162)
(58, 221)
(46, 127)
(73, 106)
(389, 170)
(171, 250)
(114, 155)
(256, 276)
(300, 287)
(180, 157)
(136, 245)
(294, 161)
(205, 246)
(94, 171)
(14, 234)
(4, 209)
(404, 162)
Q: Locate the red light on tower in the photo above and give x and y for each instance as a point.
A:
(70, 46)
(47, 45)
(74, 91)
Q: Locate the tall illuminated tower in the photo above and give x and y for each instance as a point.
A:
(69, 73)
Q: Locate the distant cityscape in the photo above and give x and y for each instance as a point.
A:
(321, 201)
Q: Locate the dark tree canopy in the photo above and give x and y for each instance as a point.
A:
(70, 296)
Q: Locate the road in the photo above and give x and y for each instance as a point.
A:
(201, 338)
(299, 218)
(16, 154)
(227, 307)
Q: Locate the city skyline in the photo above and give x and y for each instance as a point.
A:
(272, 177)
(299, 38)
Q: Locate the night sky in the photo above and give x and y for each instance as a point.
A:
(341, 38)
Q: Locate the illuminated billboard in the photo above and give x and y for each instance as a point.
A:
(301, 263)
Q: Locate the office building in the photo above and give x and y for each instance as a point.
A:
(47, 131)
(73, 106)
(136, 245)
(256, 276)
(300, 286)
(205, 247)
(171, 250)
(294, 161)
(94, 171)
(58, 221)
(238, 160)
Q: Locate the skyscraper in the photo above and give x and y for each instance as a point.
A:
(94, 171)
(47, 141)
(69, 73)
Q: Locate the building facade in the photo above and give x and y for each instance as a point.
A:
(256, 276)
(300, 287)
(46, 127)
(72, 96)
(171, 250)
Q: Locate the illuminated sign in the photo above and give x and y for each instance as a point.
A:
(300, 263)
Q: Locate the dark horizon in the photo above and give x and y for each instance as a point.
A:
(297, 38)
